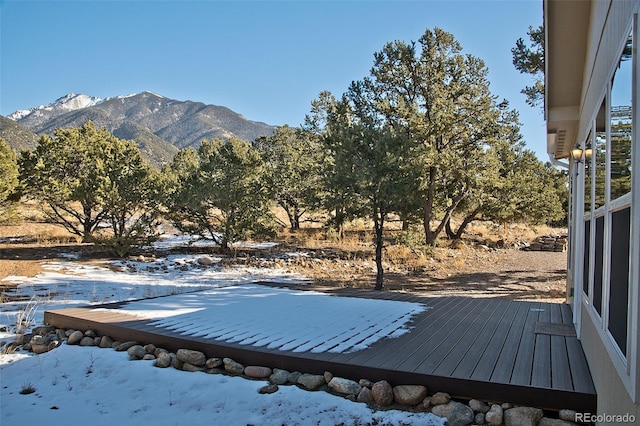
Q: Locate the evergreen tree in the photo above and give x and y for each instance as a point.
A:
(8, 179)
(440, 99)
(85, 177)
(529, 59)
(291, 170)
(225, 197)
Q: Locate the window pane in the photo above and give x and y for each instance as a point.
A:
(598, 262)
(619, 281)
(585, 257)
(621, 121)
(600, 156)
(588, 170)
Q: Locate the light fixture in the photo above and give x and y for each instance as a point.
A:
(577, 153)
(588, 153)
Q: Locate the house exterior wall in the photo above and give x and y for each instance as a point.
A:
(613, 398)
(615, 371)
(607, 30)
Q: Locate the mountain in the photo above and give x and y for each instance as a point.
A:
(33, 116)
(160, 124)
(16, 135)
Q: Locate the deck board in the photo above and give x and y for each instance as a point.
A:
(470, 348)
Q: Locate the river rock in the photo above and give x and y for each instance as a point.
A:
(457, 413)
(293, 377)
(344, 386)
(268, 389)
(125, 345)
(192, 368)
(213, 363)
(232, 367)
(440, 398)
(175, 362)
(43, 330)
(311, 381)
(87, 341)
(365, 395)
(279, 377)
(365, 383)
(382, 393)
(478, 406)
(136, 352)
(522, 416)
(163, 360)
(192, 357)
(495, 415)
(409, 394)
(256, 372)
(568, 415)
(105, 342)
(75, 337)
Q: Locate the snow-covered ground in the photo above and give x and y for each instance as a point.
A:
(79, 385)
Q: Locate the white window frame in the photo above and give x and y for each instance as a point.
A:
(627, 367)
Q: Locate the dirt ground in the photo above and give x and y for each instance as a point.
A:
(472, 270)
(507, 273)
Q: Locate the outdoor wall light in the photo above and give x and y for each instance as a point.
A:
(579, 154)
(576, 154)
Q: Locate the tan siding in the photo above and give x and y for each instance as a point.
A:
(612, 394)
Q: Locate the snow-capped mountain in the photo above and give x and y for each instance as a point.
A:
(158, 124)
(69, 102)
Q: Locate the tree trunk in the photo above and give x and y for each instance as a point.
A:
(449, 231)
(339, 222)
(427, 208)
(467, 220)
(379, 227)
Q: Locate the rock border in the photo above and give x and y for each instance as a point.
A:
(378, 395)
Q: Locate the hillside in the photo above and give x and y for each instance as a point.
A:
(160, 125)
(16, 135)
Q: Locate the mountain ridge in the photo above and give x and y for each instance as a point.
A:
(161, 124)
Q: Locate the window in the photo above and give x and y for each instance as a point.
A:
(621, 120)
(607, 206)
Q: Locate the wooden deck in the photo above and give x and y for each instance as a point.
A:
(491, 349)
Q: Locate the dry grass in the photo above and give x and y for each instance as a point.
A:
(467, 269)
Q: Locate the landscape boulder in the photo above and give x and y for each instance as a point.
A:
(440, 398)
(192, 357)
(382, 393)
(136, 352)
(495, 415)
(232, 367)
(344, 386)
(75, 337)
(457, 413)
(365, 395)
(522, 416)
(163, 360)
(279, 377)
(409, 394)
(311, 381)
(105, 342)
(256, 372)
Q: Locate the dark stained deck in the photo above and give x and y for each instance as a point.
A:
(490, 349)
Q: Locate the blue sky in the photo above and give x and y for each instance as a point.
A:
(266, 60)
